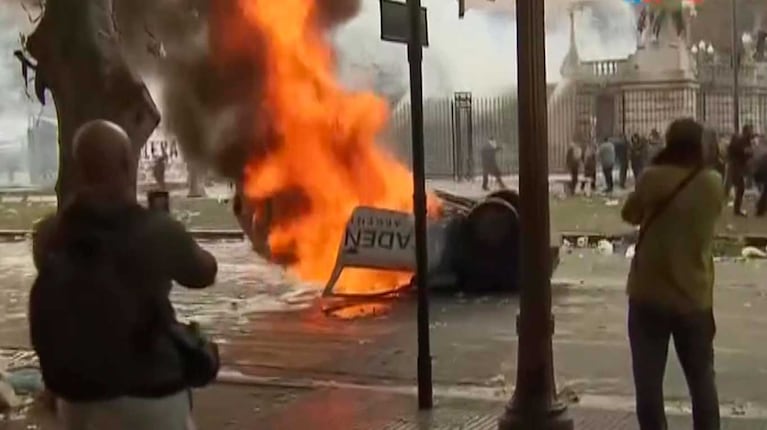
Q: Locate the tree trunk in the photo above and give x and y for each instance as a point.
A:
(79, 59)
(196, 179)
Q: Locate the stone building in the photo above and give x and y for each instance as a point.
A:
(673, 76)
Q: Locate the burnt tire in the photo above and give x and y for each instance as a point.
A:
(489, 259)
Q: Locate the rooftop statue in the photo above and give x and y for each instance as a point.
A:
(665, 20)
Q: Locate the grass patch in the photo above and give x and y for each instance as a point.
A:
(593, 215)
(194, 213)
(579, 214)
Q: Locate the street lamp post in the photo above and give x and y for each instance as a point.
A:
(534, 405)
(415, 59)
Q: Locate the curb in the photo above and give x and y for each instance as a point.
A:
(18, 235)
(630, 237)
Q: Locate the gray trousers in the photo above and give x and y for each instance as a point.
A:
(167, 413)
(650, 329)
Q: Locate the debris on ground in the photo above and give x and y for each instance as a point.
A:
(567, 246)
(752, 252)
(605, 247)
(612, 203)
(582, 242)
(26, 382)
(631, 251)
(8, 398)
(569, 396)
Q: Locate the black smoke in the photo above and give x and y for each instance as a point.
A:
(210, 63)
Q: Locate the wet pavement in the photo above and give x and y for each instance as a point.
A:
(275, 334)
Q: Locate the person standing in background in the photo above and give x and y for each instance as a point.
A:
(639, 152)
(574, 160)
(622, 158)
(490, 164)
(655, 145)
(606, 154)
(738, 154)
(589, 166)
(758, 168)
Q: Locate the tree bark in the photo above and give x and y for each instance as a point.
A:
(196, 179)
(79, 59)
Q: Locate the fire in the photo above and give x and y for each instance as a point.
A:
(324, 161)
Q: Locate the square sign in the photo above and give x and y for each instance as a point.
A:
(395, 23)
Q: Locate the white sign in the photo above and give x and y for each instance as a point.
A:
(375, 239)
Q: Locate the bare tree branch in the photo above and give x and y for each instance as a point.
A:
(26, 64)
(40, 5)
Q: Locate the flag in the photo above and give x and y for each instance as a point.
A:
(502, 6)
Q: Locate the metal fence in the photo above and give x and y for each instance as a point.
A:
(455, 130)
(641, 110)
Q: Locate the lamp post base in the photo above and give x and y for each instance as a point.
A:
(554, 417)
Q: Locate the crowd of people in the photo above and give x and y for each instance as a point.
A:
(625, 154)
(741, 161)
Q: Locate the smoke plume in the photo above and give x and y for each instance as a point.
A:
(208, 64)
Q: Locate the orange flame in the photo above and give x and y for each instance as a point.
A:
(325, 154)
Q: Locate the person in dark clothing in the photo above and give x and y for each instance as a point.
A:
(589, 166)
(738, 154)
(574, 160)
(622, 158)
(159, 168)
(654, 146)
(759, 171)
(606, 154)
(639, 153)
(138, 254)
(490, 164)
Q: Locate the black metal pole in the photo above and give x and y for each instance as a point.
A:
(623, 113)
(735, 68)
(534, 405)
(415, 58)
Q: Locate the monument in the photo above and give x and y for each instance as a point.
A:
(668, 76)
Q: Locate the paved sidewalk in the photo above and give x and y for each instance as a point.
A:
(264, 407)
(253, 407)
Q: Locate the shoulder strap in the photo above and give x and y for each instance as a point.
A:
(664, 204)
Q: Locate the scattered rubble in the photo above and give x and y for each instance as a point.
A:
(582, 242)
(752, 252)
(605, 247)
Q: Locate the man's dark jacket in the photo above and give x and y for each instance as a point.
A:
(152, 250)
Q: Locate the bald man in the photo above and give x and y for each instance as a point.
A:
(100, 313)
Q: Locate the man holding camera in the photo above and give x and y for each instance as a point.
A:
(101, 320)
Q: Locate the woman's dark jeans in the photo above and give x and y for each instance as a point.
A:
(650, 329)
